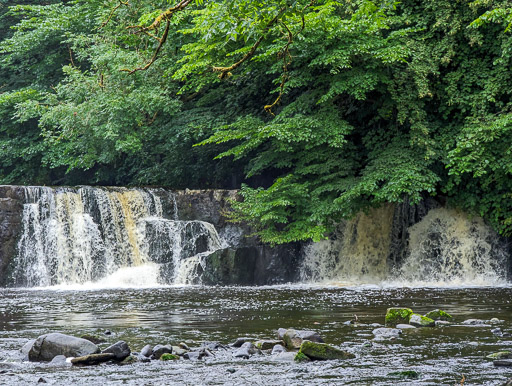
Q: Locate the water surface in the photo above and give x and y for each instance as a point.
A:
(196, 314)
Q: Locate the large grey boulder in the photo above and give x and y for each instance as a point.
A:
(48, 346)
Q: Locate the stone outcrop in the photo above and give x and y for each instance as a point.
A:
(11, 210)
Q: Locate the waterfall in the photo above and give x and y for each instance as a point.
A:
(449, 248)
(83, 235)
(356, 253)
(445, 248)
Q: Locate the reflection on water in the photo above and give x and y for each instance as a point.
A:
(196, 314)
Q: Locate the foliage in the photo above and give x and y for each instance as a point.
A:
(321, 108)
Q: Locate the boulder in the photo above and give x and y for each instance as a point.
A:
(322, 351)
(93, 359)
(473, 322)
(48, 346)
(59, 361)
(278, 349)
(301, 357)
(292, 339)
(386, 333)
(246, 351)
(396, 316)
(439, 315)
(178, 350)
(240, 341)
(194, 355)
(418, 320)
(159, 349)
(184, 346)
(503, 362)
(313, 336)
(267, 344)
(26, 348)
(147, 351)
(441, 323)
(281, 332)
(119, 349)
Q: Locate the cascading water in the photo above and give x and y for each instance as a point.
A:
(449, 248)
(356, 253)
(446, 248)
(76, 236)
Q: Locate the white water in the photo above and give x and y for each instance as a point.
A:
(111, 237)
(446, 249)
(93, 238)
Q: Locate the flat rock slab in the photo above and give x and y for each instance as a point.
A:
(93, 359)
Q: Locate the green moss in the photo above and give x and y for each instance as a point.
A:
(169, 357)
(439, 315)
(421, 321)
(322, 351)
(396, 316)
(409, 374)
(500, 355)
(301, 357)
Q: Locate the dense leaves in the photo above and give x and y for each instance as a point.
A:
(317, 109)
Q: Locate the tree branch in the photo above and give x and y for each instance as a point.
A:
(226, 71)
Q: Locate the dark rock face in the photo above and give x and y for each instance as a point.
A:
(251, 265)
(246, 261)
(48, 346)
(406, 215)
(11, 210)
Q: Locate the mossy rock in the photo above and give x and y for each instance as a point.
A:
(301, 357)
(439, 315)
(322, 351)
(418, 320)
(396, 316)
(169, 357)
(500, 355)
(406, 374)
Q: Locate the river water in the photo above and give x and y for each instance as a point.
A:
(194, 314)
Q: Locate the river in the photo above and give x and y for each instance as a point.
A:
(194, 314)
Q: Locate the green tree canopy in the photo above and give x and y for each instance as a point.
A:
(321, 108)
